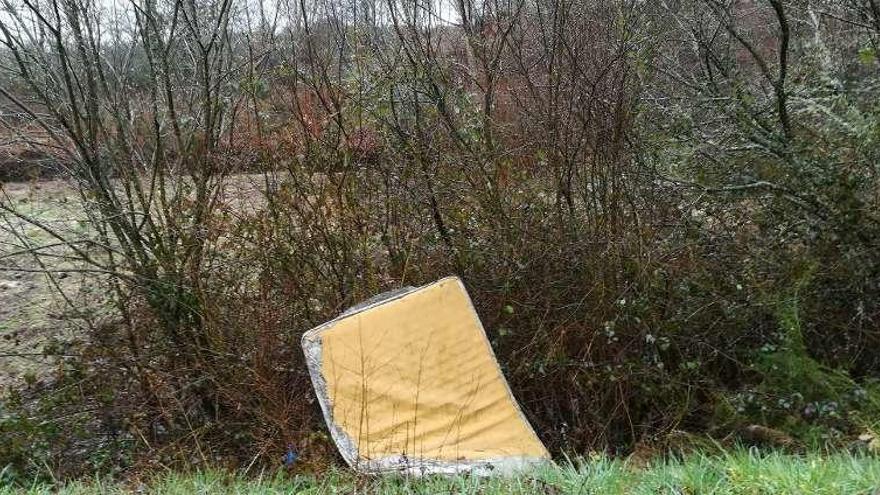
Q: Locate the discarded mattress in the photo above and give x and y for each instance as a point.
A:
(408, 382)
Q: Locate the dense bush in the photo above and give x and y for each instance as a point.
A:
(667, 218)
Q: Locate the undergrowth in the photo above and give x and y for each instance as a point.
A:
(664, 237)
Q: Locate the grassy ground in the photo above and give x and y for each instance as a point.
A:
(35, 319)
(740, 472)
(33, 315)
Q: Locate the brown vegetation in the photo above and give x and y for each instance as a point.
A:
(664, 228)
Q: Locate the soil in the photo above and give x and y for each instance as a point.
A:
(34, 319)
(36, 323)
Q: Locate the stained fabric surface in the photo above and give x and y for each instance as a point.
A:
(414, 379)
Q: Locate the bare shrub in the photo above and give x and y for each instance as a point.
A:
(631, 192)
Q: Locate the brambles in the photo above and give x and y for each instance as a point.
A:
(631, 192)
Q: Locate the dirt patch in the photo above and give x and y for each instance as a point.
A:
(35, 325)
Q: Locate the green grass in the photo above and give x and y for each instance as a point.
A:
(739, 472)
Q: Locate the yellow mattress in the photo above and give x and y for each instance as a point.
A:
(409, 382)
